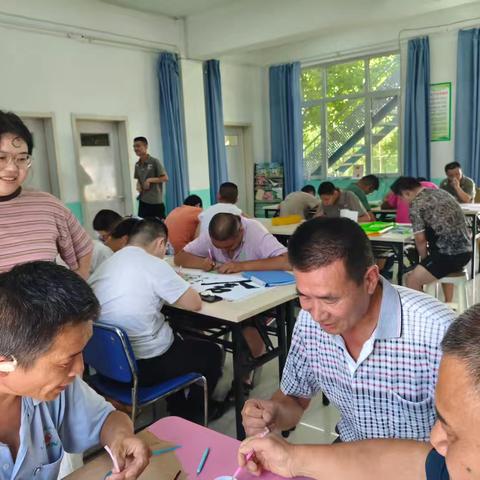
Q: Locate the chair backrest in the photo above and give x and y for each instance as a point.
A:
(109, 352)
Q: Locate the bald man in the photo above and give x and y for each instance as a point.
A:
(234, 244)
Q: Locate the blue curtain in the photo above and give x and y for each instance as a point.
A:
(172, 128)
(467, 124)
(217, 154)
(416, 140)
(286, 123)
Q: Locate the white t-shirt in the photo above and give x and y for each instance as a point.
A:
(132, 286)
(100, 253)
(210, 212)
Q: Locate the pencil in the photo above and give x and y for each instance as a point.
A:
(203, 460)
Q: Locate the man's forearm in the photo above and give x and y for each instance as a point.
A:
(187, 260)
(463, 196)
(274, 263)
(365, 460)
(290, 410)
(117, 425)
(84, 264)
(161, 179)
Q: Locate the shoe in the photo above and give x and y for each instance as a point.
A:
(247, 388)
(216, 409)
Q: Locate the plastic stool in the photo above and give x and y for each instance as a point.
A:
(459, 280)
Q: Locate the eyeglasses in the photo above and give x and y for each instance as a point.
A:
(21, 160)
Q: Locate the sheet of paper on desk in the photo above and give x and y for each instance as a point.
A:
(205, 281)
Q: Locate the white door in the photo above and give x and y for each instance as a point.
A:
(39, 176)
(235, 146)
(100, 171)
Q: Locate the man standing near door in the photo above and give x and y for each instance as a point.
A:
(150, 175)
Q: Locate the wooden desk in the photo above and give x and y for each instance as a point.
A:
(216, 320)
(193, 439)
(392, 241)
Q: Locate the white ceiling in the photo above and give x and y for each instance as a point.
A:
(172, 8)
(216, 28)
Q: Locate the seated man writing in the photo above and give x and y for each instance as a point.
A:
(453, 451)
(334, 200)
(236, 244)
(132, 287)
(373, 348)
(46, 319)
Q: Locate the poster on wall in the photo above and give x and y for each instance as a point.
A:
(440, 111)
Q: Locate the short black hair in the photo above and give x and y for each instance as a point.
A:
(106, 220)
(451, 166)
(322, 241)
(147, 230)
(124, 227)
(224, 226)
(13, 124)
(37, 300)
(462, 341)
(193, 201)
(309, 189)
(327, 188)
(371, 181)
(228, 191)
(422, 179)
(140, 139)
(403, 184)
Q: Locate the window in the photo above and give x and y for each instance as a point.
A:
(351, 117)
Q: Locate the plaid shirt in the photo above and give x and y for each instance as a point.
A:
(389, 391)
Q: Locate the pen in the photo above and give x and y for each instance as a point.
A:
(165, 450)
(203, 460)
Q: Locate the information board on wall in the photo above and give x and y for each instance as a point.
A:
(440, 111)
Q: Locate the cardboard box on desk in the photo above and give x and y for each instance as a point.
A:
(162, 467)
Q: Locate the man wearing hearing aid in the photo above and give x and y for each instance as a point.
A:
(46, 315)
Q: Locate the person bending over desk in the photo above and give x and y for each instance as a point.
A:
(365, 186)
(453, 451)
(441, 233)
(300, 203)
(334, 200)
(234, 244)
(132, 287)
(373, 348)
(46, 319)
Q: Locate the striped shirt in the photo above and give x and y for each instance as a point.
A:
(388, 391)
(37, 226)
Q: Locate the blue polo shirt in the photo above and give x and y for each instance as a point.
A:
(72, 423)
(435, 467)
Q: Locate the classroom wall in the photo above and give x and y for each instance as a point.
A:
(45, 72)
(244, 104)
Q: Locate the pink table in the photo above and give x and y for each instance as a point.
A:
(194, 439)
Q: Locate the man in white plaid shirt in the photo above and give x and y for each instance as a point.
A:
(371, 347)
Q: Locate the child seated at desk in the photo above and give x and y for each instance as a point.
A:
(46, 319)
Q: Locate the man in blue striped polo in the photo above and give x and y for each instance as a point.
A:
(373, 348)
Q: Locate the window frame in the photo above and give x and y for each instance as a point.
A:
(368, 96)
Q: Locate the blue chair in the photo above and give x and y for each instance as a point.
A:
(110, 353)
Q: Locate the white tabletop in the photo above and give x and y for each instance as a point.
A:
(271, 207)
(470, 208)
(288, 230)
(240, 310)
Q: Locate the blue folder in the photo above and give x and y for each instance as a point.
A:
(270, 278)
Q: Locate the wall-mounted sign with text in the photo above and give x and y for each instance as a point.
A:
(440, 111)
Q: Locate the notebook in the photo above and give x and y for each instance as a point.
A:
(270, 278)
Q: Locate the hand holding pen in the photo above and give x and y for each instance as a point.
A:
(208, 263)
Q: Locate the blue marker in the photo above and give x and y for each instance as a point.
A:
(203, 460)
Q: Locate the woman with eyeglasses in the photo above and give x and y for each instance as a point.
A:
(33, 225)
